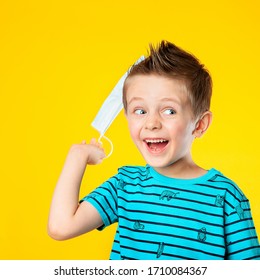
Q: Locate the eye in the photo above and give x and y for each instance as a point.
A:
(169, 112)
(139, 112)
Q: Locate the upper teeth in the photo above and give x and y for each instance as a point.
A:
(155, 141)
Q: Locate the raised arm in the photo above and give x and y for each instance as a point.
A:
(68, 218)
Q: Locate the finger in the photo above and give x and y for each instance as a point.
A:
(103, 155)
(93, 141)
(99, 144)
(83, 142)
(96, 143)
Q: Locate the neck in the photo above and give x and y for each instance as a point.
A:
(182, 169)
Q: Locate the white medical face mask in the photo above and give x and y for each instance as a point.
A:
(110, 109)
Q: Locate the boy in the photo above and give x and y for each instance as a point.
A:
(171, 208)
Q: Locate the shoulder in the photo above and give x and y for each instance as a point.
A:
(132, 171)
(233, 193)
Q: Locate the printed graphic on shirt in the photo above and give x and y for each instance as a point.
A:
(219, 200)
(138, 225)
(121, 184)
(202, 234)
(168, 195)
(227, 242)
(213, 178)
(240, 211)
(160, 250)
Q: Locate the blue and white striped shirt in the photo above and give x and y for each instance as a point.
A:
(162, 218)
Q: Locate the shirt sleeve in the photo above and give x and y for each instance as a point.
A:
(104, 199)
(241, 238)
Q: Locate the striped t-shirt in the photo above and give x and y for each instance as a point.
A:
(162, 218)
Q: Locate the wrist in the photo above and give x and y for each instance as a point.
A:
(80, 153)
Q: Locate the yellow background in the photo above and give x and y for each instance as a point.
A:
(58, 62)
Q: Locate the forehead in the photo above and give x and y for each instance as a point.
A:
(155, 87)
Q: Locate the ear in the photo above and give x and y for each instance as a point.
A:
(202, 124)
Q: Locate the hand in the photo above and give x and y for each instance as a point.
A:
(96, 152)
(91, 153)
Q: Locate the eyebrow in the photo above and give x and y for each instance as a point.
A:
(165, 99)
(135, 99)
(171, 100)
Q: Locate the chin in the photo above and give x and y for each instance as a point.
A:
(157, 163)
(159, 160)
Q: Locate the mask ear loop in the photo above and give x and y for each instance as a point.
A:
(110, 142)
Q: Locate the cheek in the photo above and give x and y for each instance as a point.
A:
(176, 130)
(134, 129)
(179, 132)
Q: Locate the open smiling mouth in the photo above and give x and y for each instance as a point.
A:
(156, 145)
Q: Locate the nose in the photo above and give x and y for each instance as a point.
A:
(153, 122)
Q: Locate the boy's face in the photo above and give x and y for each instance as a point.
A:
(160, 119)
